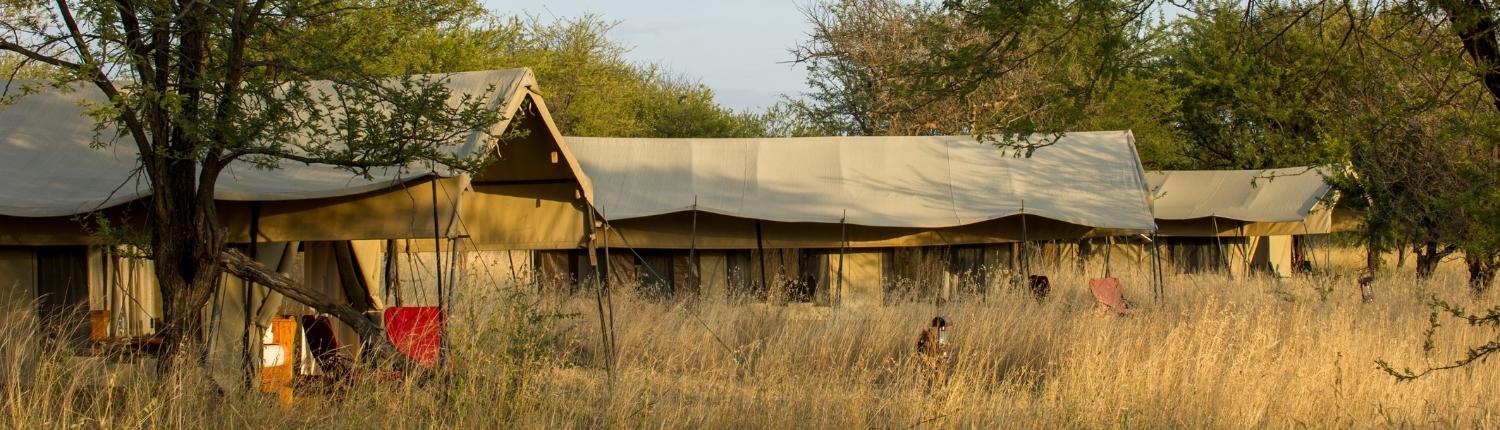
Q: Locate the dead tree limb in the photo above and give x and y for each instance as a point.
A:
(383, 351)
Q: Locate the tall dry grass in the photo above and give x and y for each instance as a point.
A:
(1214, 353)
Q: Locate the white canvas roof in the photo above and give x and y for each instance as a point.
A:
(1087, 178)
(1276, 195)
(51, 170)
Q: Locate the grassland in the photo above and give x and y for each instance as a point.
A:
(1215, 353)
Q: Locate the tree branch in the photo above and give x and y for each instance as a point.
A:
(241, 265)
(37, 56)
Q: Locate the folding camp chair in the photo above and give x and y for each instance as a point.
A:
(416, 332)
(1109, 294)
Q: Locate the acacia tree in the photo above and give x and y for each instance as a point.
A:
(196, 86)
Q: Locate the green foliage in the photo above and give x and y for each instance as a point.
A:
(1251, 84)
(1475, 354)
(593, 90)
(590, 88)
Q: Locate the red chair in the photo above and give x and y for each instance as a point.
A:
(1110, 295)
(416, 332)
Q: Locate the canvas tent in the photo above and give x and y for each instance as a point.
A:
(1241, 220)
(853, 199)
(341, 221)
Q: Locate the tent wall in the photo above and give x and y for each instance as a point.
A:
(62, 287)
(1318, 221)
(17, 276)
(714, 273)
(18, 308)
(855, 278)
(871, 276)
(400, 212)
(538, 155)
(237, 310)
(1273, 255)
(502, 268)
(526, 216)
(127, 287)
(712, 231)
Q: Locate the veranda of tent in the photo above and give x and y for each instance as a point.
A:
(1242, 221)
(350, 229)
(840, 219)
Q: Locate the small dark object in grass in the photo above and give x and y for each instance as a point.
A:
(1040, 286)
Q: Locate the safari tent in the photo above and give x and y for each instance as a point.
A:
(347, 233)
(1241, 221)
(845, 220)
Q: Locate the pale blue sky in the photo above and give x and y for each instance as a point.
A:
(736, 47)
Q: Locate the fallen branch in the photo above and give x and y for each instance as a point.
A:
(381, 348)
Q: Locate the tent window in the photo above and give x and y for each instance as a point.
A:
(1199, 254)
(813, 275)
(916, 273)
(63, 288)
(656, 273)
(967, 266)
(740, 270)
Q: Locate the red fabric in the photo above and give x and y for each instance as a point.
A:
(1107, 291)
(416, 332)
(1110, 295)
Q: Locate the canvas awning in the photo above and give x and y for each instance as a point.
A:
(1274, 195)
(53, 172)
(1091, 179)
(1269, 202)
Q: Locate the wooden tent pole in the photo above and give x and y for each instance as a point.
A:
(1244, 250)
(1109, 243)
(693, 252)
(843, 245)
(251, 364)
(1157, 287)
(609, 297)
(760, 248)
(604, 340)
(1025, 261)
(1306, 232)
(1218, 244)
(437, 255)
(392, 273)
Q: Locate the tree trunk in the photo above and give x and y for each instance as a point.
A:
(241, 265)
(1400, 256)
(1372, 257)
(1473, 21)
(1428, 258)
(185, 244)
(1481, 272)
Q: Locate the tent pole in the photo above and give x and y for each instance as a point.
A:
(1025, 260)
(760, 248)
(609, 296)
(1219, 244)
(437, 255)
(1156, 281)
(604, 340)
(1244, 250)
(1306, 233)
(251, 364)
(1109, 243)
(392, 272)
(843, 244)
(453, 272)
(693, 251)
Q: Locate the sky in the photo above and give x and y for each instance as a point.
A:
(739, 48)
